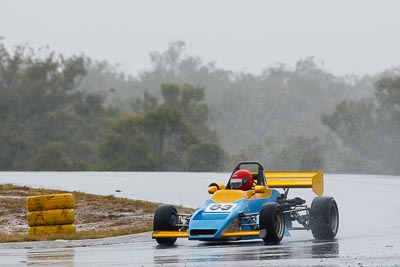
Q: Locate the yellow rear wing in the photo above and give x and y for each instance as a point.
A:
(296, 179)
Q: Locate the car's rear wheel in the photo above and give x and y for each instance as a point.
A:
(165, 219)
(324, 218)
(272, 223)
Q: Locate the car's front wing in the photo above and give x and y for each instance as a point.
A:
(185, 234)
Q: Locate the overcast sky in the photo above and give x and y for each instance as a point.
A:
(349, 36)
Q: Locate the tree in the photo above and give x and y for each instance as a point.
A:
(125, 147)
(12, 148)
(174, 124)
(388, 96)
(40, 104)
(190, 101)
(369, 130)
(166, 131)
(52, 157)
(168, 127)
(205, 157)
(290, 153)
(353, 122)
(146, 103)
(187, 99)
(30, 88)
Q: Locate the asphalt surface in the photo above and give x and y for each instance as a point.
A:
(369, 235)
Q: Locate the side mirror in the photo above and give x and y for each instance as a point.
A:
(214, 187)
(260, 189)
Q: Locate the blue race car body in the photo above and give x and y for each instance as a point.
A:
(259, 212)
(234, 218)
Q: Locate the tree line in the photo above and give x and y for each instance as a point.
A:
(47, 124)
(184, 114)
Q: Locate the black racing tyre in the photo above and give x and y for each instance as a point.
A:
(273, 222)
(165, 219)
(324, 218)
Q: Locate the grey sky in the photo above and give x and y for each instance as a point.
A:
(359, 36)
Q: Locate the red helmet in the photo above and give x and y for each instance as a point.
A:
(241, 180)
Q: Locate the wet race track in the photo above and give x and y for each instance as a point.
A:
(369, 235)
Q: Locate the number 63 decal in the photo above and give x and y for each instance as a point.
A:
(220, 207)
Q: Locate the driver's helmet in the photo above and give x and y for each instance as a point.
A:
(241, 180)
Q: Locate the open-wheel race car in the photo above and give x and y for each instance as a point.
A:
(249, 207)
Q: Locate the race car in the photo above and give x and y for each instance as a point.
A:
(249, 206)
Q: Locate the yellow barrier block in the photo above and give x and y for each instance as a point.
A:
(50, 202)
(52, 230)
(51, 217)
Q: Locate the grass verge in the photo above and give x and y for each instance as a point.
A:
(96, 216)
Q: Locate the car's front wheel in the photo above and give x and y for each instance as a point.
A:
(165, 219)
(272, 223)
